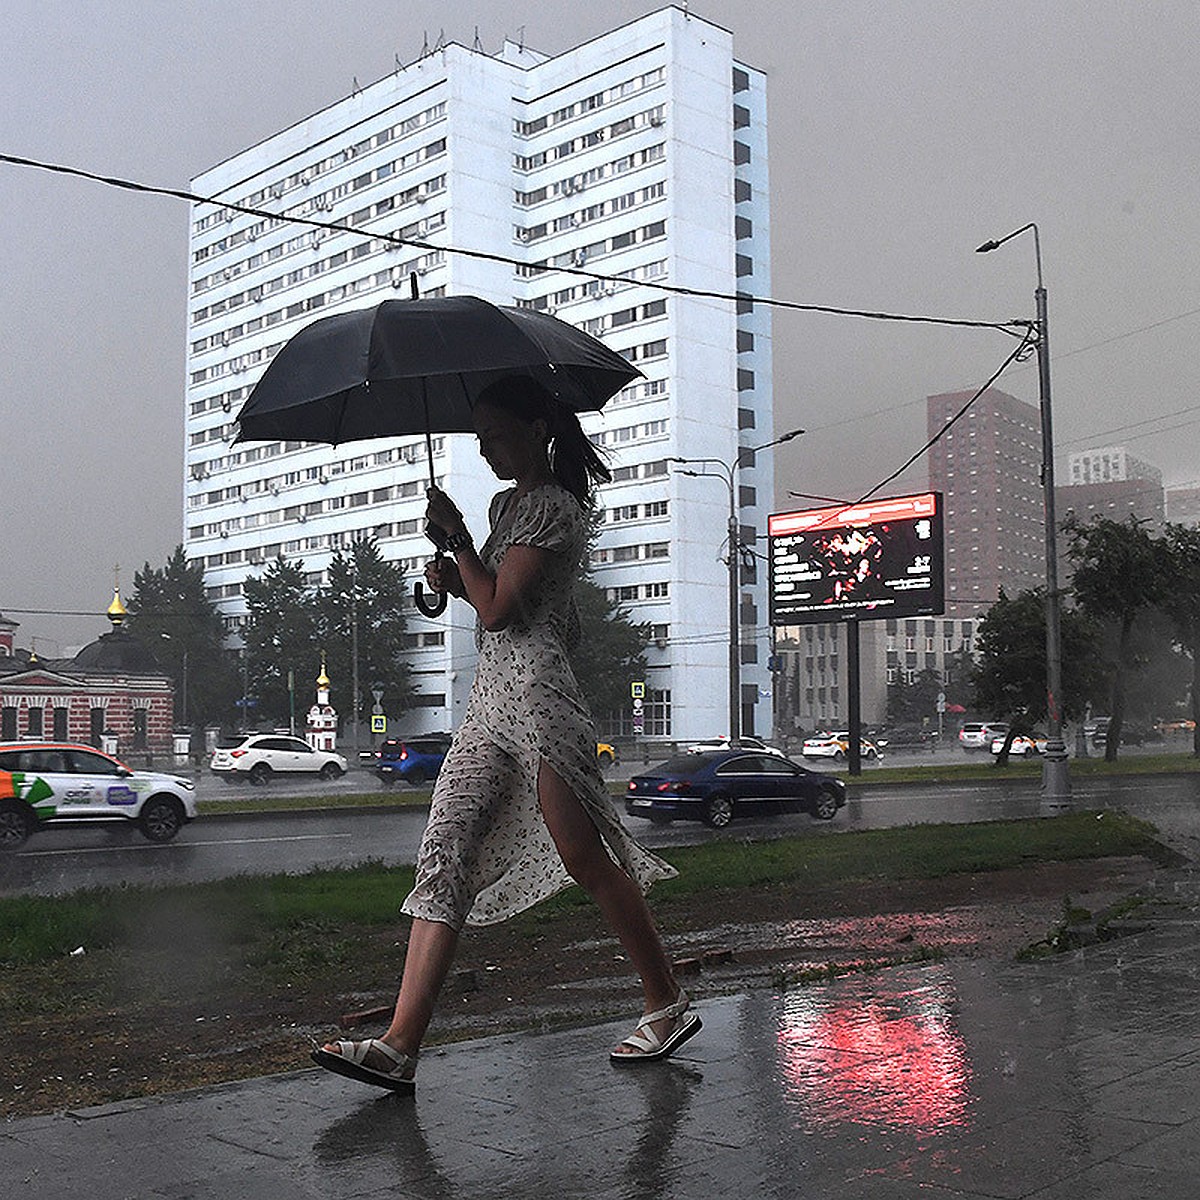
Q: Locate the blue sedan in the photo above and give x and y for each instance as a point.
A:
(715, 786)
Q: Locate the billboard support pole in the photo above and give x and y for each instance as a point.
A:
(854, 690)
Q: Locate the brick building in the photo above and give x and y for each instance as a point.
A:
(112, 694)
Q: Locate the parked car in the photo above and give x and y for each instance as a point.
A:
(715, 786)
(836, 746)
(412, 760)
(979, 735)
(1022, 746)
(745, 742)
(260, 756)
(908, 737)
(606, 754)
(44, 783)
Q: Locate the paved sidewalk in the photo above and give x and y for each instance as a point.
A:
(1076, 1078)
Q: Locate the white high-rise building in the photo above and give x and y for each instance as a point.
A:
(641, 154)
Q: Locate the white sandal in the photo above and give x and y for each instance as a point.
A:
(645, 1044)
(350, 1061)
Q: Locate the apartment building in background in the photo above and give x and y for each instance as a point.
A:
(1183, 505)
(639, 157)
(1110, 482)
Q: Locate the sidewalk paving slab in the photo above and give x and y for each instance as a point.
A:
(1072, 1078)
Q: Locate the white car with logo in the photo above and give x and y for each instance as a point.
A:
(836, 746)
(259, 756)
(43, 783)
(1021, 746)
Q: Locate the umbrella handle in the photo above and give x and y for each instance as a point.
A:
(430, 608)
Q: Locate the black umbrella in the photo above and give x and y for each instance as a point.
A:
(417, 366)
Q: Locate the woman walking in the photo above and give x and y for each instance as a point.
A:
(520, 810)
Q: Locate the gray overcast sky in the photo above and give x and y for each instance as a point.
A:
(902, 136)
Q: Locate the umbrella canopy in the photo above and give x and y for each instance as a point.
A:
(417, 366)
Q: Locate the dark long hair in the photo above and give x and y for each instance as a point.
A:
(574, 459)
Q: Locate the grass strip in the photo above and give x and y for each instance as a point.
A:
(265, 918)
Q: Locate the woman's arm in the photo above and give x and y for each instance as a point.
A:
(495, 597)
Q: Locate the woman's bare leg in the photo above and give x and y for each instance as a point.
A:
(618, 897)
(431, 948)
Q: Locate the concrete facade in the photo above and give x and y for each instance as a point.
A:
(639, 157)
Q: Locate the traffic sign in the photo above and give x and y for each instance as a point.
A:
(638, 690)
(378, 724)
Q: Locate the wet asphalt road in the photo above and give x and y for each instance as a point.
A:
(66, 859)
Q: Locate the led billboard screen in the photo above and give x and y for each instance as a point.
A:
(880, 558)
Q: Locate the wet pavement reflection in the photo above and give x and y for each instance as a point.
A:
(1067, 1079)
(892, 1059)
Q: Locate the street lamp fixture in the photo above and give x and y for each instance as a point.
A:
(1056, 779)
(727, 473)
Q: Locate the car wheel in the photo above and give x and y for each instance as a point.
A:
(330, 771)
(416, 777)
(16, 824)
(260, 774)
(718, 811)
(606, 759)
(161, 818)
(839, 756)
(868, 755)
(826, 806)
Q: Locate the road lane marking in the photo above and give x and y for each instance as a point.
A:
(299, 837)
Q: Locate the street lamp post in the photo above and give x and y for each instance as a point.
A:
(1056, 779)
(728, 476)
(354, 657)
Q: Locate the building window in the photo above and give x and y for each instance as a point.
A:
(60, 724)
(657, 718)
(139, 729)
(741, 116)
(8, 723)
(741, 153)
(33, 722)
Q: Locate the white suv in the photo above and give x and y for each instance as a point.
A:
(60, 782)
(262, 755)
(977, 735)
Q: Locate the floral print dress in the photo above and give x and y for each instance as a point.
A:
(487, 852)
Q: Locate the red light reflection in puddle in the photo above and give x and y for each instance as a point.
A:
(876, 1058)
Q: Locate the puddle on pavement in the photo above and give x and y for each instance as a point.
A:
(878, 1053)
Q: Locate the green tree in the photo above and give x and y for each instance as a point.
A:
(958, 677)
(367, 592)
(1118, 577)
(1010, 671)
(1180, 600)
(171, 614)
(611, 651)
(280, 636)
(914, 703)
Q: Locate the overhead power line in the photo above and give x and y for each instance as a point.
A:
(1015, 328)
